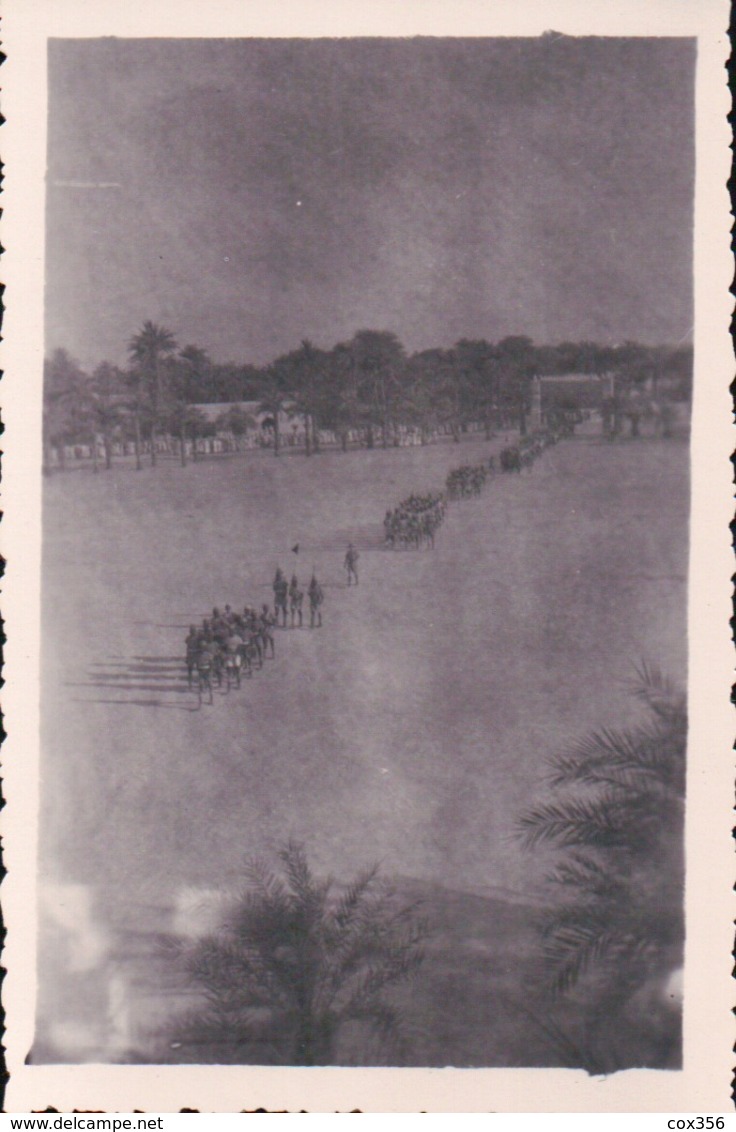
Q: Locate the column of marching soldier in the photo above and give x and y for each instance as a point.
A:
(229, 644)
(414, 522)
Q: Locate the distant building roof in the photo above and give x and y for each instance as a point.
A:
(214, 410)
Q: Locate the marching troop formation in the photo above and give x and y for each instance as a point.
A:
(415, 520)
(229, 645)
(288, 599)
(523, 454)
(468, 480)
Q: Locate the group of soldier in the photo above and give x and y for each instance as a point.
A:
(288, 599)
(522, 455)
(415, 520)
(229, 644)
(467, 480)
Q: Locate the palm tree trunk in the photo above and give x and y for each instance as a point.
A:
(183, 442)
(108, 450)
(95, 460)
(155, 409)
(276, 434)
(137, 434)
(344, 440)
(307, 439)
(315, 435)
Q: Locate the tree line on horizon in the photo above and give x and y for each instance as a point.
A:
(369, 384)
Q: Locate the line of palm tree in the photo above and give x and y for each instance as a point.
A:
(109, 411)
(187, 376)
(273, 401)
(147, 349)
(67, 399)
(368, 383)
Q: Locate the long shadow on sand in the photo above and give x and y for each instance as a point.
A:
(163, 677)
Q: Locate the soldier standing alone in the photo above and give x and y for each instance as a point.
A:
(316, 597)
(351, 563)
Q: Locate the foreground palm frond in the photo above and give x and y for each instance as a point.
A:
(616, 820)
(648, 757)
(576, 821)
(296, 961)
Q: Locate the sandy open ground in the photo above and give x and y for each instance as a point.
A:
(412, 728)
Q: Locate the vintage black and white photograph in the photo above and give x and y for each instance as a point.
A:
(366, 475)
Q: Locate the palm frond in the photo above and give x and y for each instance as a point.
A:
(298, 873)
(625, 941)
(573, 948)
(588, 876)
(573, 821)
(575, 1055)
(228, 971)
(375, 980)
(615, 817)
(292, 951)
(395, 953)
(264, 882)
(657, 691)
(352, 904)
(605, 753)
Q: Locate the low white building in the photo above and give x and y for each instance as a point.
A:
(261, 421)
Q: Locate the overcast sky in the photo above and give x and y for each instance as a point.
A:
(250, 193)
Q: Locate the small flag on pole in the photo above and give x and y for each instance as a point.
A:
(295, 548)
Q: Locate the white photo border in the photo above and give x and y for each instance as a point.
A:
(704, 1083)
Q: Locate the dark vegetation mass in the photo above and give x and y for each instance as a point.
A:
(297, 963)
(613, 938)
(366, 388)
